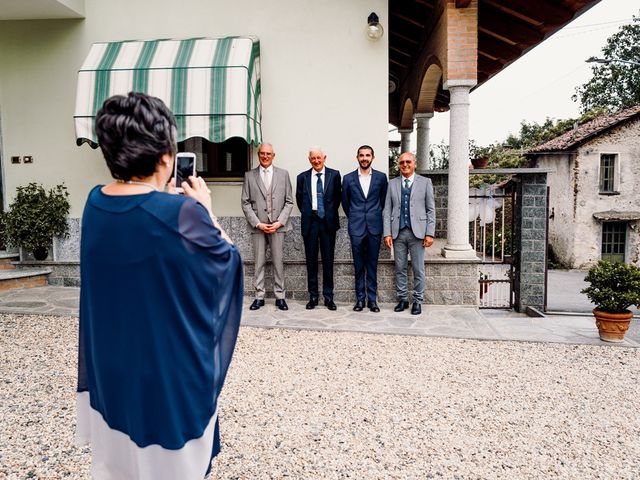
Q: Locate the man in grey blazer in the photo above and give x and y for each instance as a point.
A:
(267, 201)
(409, 224)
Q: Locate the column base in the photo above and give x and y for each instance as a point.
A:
(458, 251)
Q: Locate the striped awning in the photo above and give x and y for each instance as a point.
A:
(212, 85)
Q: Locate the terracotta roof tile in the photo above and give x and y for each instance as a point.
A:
(585, 131)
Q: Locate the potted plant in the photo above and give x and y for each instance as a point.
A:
(35, 216)
(479, 155)
(613, 288)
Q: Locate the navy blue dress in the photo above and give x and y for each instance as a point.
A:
(160, 306)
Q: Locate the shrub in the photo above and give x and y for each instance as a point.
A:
(614, 286)
(35, 216)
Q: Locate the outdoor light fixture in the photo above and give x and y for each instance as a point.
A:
(374, 29)
(607, 61)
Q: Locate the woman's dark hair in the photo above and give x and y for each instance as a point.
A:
(133, 133)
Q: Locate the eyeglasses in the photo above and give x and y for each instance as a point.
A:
(268, 154)
(405, 162)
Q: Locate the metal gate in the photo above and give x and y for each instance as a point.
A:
(491, 216)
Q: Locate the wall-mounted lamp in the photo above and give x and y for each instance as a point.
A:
(374, 29)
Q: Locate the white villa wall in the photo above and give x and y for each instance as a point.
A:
(577, 238)
(323, 82)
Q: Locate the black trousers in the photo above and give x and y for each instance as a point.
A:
(320, 238)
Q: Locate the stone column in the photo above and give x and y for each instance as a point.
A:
(405, 139)
(422, 149)
(457, 245)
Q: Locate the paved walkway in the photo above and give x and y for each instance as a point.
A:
(437, 321)
(564, 292)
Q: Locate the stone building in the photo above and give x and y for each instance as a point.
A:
(594, 200)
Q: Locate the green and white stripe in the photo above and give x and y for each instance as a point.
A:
(212, 85)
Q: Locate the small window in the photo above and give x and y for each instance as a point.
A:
(613, 241)
(607, 173)
(228, 160)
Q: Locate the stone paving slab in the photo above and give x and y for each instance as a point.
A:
(435, 320)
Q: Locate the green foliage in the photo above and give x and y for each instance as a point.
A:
(489, 240)
(35, 216)
(615, 86)
(614, 286)
(500, 156)
(533, 133)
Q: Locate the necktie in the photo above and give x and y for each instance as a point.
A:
(320, 192)
(406, 183)
(267, 179)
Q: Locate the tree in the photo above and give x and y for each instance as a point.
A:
(615, 86)
(533, 133)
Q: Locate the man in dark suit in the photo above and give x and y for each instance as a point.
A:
(318, 199)
(363, 195)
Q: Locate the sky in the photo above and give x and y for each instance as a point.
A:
(540, 83)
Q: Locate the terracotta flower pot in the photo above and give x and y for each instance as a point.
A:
(612, 326)
(480, 162)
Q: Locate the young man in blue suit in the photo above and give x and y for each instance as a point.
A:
(363, 195)
(318, 199)
(409, 225)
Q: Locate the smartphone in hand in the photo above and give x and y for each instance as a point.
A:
(183, 167)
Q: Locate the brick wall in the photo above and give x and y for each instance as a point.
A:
(461, 41)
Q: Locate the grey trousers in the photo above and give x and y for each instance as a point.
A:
(404, 243)
(276, 244)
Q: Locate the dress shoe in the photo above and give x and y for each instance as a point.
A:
(373, 306)
(401, 306)
(281, 304)
(329, 304)
(311, 304)
(358, 306)
(257, 303)
(416, 309)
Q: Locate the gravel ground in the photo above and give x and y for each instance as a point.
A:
(307, 405)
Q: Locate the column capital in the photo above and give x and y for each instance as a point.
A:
(468, 83)
(426, 115)
(405, 130)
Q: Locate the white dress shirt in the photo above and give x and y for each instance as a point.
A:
(266, 174)
(365, 181)
(314, 187)
(411, 179)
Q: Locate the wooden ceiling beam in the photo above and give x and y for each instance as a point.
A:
(504, 27)
(486, 64)
(463, 3)
(535, 13)
(404, 37)
(409, 20)
(426, 3)
(497, 48)
(401, 52)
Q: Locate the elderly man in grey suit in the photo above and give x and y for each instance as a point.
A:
(267, 201)
(409, 223)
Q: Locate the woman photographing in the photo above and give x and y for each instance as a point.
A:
(160, 305)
